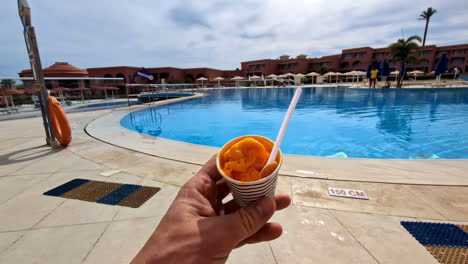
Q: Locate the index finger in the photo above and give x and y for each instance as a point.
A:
(210, 170)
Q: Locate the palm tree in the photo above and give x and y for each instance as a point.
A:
(404, 51)
(7, 83)
(426, 15)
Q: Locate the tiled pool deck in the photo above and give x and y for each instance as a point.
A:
(318, 228)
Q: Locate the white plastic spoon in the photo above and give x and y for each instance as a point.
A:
(271, 164)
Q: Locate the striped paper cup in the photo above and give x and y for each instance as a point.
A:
(245, 193)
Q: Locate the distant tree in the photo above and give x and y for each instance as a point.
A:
(404, 51)
(7, 83)
(426, 15)
(302, 55)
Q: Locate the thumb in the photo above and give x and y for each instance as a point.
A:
(248, 220)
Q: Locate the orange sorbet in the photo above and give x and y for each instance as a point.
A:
(244, 160)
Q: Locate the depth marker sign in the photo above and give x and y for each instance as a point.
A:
(347, 193)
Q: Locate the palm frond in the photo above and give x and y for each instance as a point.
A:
(413, 38)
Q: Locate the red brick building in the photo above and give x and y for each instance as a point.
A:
(348, 60)
(357, 59)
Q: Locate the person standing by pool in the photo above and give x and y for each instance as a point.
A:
(373, 77)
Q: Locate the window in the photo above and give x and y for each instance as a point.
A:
(324, 64)
(292, 66)
(423, 63)
(457, 61)
(459, 52)
(359, 55)
(425, 53)
(439, 54)
(314, 66)
(379, 55)
(344, 65)
(347, 56)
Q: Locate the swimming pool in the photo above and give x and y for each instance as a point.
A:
(338, 122)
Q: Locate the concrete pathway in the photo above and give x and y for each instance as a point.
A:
(318, 228)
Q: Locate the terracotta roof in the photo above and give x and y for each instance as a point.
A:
(64, 67)
(60, 69)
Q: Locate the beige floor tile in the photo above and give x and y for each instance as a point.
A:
(252, 254)
(441, 172)
(59, 161)
(12, 160)
(313, 235)
(72, 212)
(26, 149)
(34, 123)
(450, 201)
(7, 239)
(156, 206)
(94, 175)
(121, 241)
(13, 185)
(171, 172)
(385, 238)
(59, 245)
(26, 210)
(11, 143)
(7, 169)
(389, 199)
(283, 186)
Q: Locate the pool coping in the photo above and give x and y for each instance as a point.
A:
(107, 128)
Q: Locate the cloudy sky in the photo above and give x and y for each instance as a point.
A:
(215, 33)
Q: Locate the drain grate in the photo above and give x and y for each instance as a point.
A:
(110, 193)
(449, 255)
(448, 243)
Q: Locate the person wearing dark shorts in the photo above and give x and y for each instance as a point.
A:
(373, 77)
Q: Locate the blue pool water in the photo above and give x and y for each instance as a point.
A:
(340, 122)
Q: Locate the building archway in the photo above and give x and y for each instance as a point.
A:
(357, 64)
(108, 75)
(344, 65)
(120, 75)
(155, 77)
(189, 78)
(200, 75)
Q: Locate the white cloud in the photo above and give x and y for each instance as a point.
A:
(215, 33)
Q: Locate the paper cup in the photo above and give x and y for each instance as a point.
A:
(248, 192)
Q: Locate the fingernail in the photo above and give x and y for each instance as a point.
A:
(265, 206)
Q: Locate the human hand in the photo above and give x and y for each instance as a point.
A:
(199, 228)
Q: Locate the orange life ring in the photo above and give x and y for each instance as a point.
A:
(60, 122)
